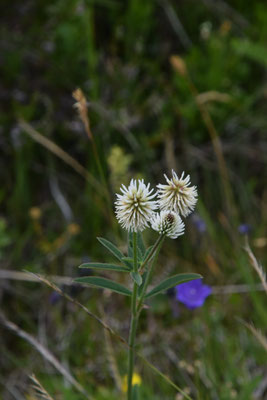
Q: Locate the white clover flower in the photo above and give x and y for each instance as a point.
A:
(177, 195)
(134, 208)
(168, 223)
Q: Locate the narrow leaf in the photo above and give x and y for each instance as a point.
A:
(129, 262)
(137, 278)
(148, 250)
(111, 247)
(104, 284)
(107, 267)
(130, 244)
(138, 248)
(127, 259)
(172, 281)
(140, 244)
(140, 288)
(139, 254)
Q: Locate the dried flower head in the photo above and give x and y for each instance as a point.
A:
(177, 195)
(168, 223)
(81, 106)
(135, 207)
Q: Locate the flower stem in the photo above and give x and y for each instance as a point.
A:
(135, 310)
(156, 250)
(134, 321)
(150, 254)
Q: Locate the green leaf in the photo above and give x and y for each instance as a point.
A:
(114, 250)
(172, 281)
(127, 259)
(148, 250)
(130, 244)
(111, 247)
(137, 278)
(255, 51)
(129, 262)
(107, 267)
(105, 284)
(140, 288)
(139, 254)
(140, 244)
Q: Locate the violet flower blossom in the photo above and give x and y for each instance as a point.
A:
(244, 229)
(192, 294)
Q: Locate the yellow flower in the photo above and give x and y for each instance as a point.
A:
(35, 213)
(136, 381)
(73, 229)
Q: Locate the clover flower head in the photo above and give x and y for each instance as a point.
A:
(177, 195)
(168, 223)
(192, 294)
(134, 208)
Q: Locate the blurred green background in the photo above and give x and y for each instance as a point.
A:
(169, 84)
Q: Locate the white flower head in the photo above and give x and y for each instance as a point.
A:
(177, 195)
(168, 223)
(134, 208)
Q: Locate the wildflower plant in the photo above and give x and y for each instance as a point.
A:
(138, 207)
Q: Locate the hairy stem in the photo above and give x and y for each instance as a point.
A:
(136, 309)
(134, 321)
(150, 254)
(156, 249)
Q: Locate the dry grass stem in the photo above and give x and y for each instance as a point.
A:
(180, 67)
(81, 106)
(258, 334)
(77, 303)
(213, 95)
(69, 160)
(39, 389)
(68, 281)
(63, 155)
(111, 356)
(43, 351)
(111, 331)
(254, 263)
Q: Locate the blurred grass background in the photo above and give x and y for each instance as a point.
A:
(169, 85)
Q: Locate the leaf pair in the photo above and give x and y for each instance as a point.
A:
(103, 282)
(118, 288)
(127, 267)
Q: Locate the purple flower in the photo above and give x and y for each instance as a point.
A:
(54, 298)
(244, 229)
(192, 294)
(199, 223)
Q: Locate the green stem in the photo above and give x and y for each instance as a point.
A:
(135, 310)
(156, 248)
(150, 254)
(134, 321)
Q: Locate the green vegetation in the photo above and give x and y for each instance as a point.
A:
(169, 84)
